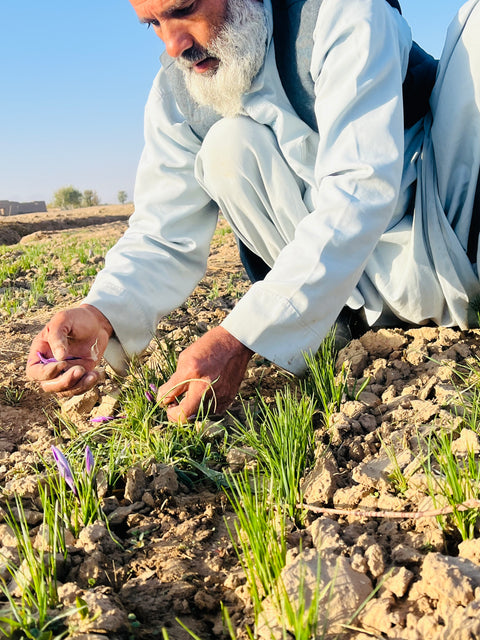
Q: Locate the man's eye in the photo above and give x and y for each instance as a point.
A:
(152, 23)
(184, 11)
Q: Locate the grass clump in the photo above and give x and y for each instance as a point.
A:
(260, 541)
(456, 478)
(282, 435)
(32, 608)
(322, 382)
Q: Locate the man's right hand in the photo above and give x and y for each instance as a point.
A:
(75, 340)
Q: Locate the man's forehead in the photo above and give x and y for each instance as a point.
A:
(142, 6)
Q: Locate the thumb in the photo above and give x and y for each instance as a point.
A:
(58, 340)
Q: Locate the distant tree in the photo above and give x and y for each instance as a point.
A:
(122, 197)
(67, 198)
(90, 198)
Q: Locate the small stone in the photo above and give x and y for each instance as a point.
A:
(7, 537)
(135, 484)
(403, 554)
(450, 579)
(319, 485)
(381, 343)
(238, 458)
(398, 581)
(325, 534)
(467, 442)
(148, 499)
(165, 479)
(205, 602)
(375, 561)
(121, 514)
(468, 549)
(97, 536)
(354, 356)
(80, 406)
(359, 563)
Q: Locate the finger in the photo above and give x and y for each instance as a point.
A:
(184, 411)
(87, 382)
(57, 335)
(38, 371)
(171, 390)
(73, 381)
(188, 408)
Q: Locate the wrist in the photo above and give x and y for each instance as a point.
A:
(233, 342)
(101, 319)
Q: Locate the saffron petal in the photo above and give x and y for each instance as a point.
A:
(89, 460)
(64, 468)
(45, 360)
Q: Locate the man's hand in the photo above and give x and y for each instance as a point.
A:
(209, 370)
(64, 354)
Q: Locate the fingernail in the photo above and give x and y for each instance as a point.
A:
(76, 374)
(90, 378)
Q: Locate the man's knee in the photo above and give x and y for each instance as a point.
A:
(230, 150)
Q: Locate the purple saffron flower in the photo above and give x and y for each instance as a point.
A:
(103, 419)
(64, 468)
(45, 360)
(148, 395)
(89, 460)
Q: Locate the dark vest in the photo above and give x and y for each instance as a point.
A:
(293, 25)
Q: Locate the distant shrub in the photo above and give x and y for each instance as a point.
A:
(67, 198)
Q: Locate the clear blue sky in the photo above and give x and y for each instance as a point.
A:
(74, 77)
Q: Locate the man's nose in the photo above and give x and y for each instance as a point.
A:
(176, 38)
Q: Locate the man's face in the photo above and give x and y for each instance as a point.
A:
(219, 45)
(186, 27)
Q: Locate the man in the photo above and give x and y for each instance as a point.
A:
(341, 185)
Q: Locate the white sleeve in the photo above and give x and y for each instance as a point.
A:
(163, 254)
(359, 59)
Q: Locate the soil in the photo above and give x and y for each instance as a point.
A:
(177, 560)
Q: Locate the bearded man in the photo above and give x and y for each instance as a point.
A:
(345, 162)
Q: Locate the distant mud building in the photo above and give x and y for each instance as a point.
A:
(9, 208)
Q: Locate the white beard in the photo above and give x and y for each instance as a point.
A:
(240, 46)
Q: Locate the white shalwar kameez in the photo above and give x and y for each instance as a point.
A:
(334, 213)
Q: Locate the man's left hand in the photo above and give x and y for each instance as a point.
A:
(209, 371)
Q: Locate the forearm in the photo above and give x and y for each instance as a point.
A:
(163, 254)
